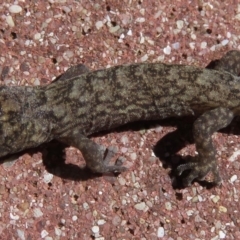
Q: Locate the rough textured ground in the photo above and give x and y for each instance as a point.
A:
(41, 39)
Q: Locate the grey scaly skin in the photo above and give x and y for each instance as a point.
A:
(81, 102)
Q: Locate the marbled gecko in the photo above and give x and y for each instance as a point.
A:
(82, 102)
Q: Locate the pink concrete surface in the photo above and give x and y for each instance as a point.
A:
(40, 40)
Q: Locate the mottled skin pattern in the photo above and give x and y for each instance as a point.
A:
(81, 102)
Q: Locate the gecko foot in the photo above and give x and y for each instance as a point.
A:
(108, 154)
(200, 171)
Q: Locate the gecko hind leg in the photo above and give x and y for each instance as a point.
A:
(230, 62)
(205, 163)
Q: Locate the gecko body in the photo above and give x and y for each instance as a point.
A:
(82, 102)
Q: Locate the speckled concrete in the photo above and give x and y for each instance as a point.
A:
(41, 39)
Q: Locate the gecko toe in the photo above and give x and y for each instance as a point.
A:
(109, 153)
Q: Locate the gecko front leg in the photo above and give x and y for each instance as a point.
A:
(97, 157)
(205, 162)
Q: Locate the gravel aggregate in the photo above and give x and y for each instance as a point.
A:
(39, 41)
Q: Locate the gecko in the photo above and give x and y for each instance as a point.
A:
(82, 102)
